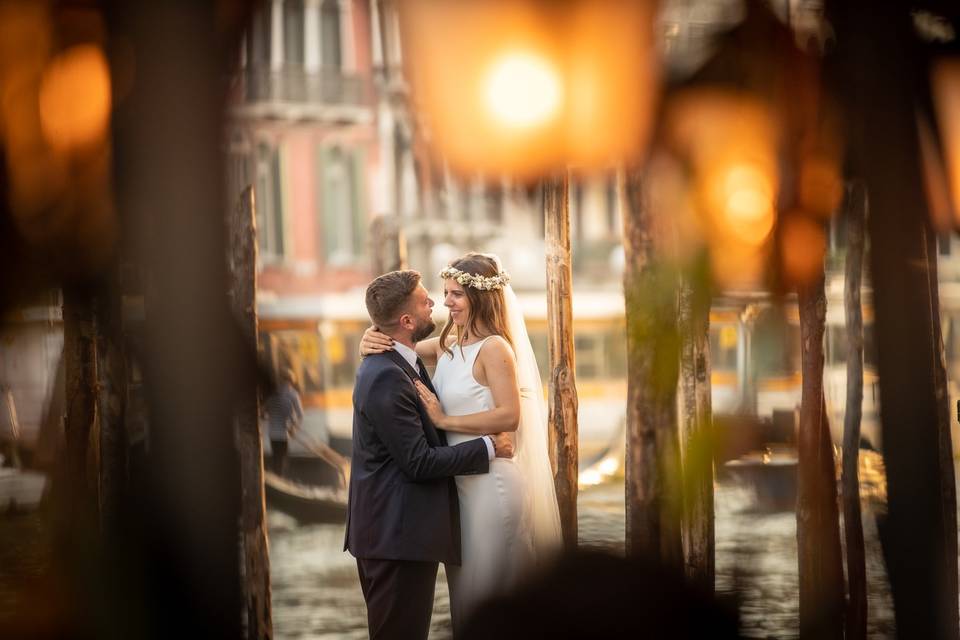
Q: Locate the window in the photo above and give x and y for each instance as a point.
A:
(943, 243)
(330, 53)
(538, 341)
(341, 352)
(589, 355)
(616, 351)
(723, 347)
(299, 351)
(258, 44)
(775, 346)
(342, 208)
(269, 202)
(493, 202)
(293, 33)
(614, 225)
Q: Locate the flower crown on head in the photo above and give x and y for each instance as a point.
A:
(483, 283)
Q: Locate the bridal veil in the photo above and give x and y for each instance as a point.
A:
(532, 453)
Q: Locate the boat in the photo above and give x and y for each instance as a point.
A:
(771, 474)
(20, 490)
(305, 502)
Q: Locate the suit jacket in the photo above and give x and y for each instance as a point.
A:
(403, 500)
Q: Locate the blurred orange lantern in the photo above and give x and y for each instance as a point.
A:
(531, 86)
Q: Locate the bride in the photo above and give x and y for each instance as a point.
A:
(487, 382)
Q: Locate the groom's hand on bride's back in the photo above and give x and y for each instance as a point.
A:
(503, 444)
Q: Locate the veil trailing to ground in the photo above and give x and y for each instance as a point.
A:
(532, 453)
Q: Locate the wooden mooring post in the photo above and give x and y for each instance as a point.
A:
(818, 535)
(563, 403)
(653, 480)
(242, 291)
(696, 431)
(855, 624)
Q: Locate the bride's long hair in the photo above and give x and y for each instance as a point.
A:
(487, 308)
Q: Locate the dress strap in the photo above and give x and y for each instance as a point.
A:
(475, 351)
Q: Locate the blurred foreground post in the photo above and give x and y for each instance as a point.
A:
(242, 291)
(818, 536)
(563, 392)
(168, 150)
(855, 204)
(653, 490)
(878, 60)
(696, 431)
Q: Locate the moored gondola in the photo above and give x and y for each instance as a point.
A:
(306, 503)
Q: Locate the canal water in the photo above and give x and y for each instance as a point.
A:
(316, 592)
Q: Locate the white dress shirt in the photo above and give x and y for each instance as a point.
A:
(411, 356)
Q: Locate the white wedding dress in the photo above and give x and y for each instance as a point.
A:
(497, 540)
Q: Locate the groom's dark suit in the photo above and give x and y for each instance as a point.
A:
(403, 516)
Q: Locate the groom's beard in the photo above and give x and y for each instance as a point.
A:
(423, 331)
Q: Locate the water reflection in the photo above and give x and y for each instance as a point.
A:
(316, 592)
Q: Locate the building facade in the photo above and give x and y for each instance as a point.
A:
(303, 133)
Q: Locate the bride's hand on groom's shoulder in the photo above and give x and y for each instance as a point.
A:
(431, 404)
(373, 341)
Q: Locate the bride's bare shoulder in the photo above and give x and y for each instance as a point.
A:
(496, 346)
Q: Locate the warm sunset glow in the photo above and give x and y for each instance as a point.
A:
(738, 267)
(529, 87)
(804, 245)
(523, 90)
(75, 98)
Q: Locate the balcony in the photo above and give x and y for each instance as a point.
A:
(294, 93)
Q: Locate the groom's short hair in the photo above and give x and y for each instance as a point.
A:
(387, 296)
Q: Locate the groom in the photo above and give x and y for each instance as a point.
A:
(403, 516)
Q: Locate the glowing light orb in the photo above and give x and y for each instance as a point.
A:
(75, 97)
(523, 90)
(748, 205)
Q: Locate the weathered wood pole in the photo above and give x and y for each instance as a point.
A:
(112, 371)
(876, 58)
(562, 385)
(948, 486)
(856, 620)
(78, 490)
(696, 421)
(242, 292)
(653, 484)
(818, 534)
(10, 409)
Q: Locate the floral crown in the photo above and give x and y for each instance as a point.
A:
(483, 283)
